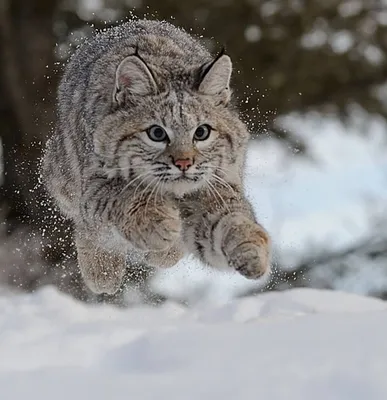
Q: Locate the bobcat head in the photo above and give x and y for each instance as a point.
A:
(172, 129)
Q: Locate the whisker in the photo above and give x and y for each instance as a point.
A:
(159, 186)
(217, 167)
(217, 195)
(212, 193)
(151, 194)
(146, 188)
(222, 182)
(139, 185)
(145, 174)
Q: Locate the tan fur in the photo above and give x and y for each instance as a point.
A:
(122, 188)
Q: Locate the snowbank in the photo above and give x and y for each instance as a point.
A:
(299, 344)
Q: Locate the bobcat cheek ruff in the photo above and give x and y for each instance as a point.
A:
(148, 154)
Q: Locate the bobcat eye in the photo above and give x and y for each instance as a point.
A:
(157, 133)
(202, 132)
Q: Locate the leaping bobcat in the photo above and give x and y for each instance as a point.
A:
(148, 154)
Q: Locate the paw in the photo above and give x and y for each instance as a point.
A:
(157, 230)
(165, 259)
(103, 271)
(250, 260)
(248, 250)
(162, 233)
(105, 282)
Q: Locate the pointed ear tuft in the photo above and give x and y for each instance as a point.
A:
(216, 79)
(133, 77)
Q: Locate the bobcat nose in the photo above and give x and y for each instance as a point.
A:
(183, 164)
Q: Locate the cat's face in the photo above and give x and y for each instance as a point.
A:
(174, 142)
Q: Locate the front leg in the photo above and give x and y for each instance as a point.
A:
(225, 232)
(102, 268)
(245, 244)
(167, 258)
(148, 225)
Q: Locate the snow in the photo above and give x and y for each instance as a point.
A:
(328, 197)
(297, 344)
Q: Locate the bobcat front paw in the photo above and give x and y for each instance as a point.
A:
(248, 250)
(103, 271)
(165, 259)
(155, 230)
(160, 234)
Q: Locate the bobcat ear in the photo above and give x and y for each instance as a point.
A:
(215, 80)
(133, 77)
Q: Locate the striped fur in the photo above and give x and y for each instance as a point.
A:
(120, 188)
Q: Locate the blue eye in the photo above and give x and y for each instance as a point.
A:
(202, 132)
(157, 133)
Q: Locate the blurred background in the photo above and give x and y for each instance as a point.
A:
(311, 79)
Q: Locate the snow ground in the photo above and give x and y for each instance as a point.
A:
(298, 344)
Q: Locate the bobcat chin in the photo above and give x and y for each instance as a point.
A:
(147, 157)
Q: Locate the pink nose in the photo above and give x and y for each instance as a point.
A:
(183, 164)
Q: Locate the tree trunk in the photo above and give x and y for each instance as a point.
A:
(27, 43)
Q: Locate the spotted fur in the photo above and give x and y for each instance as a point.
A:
(123, 190)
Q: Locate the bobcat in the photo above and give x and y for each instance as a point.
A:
(148, 155)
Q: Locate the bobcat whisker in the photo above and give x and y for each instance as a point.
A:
(151, 194)
(159, 189)
(213, 194)
(140, 185)
(218, 167)
(144, 191)
(135, 179)
(222, 182)
(218, 194)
